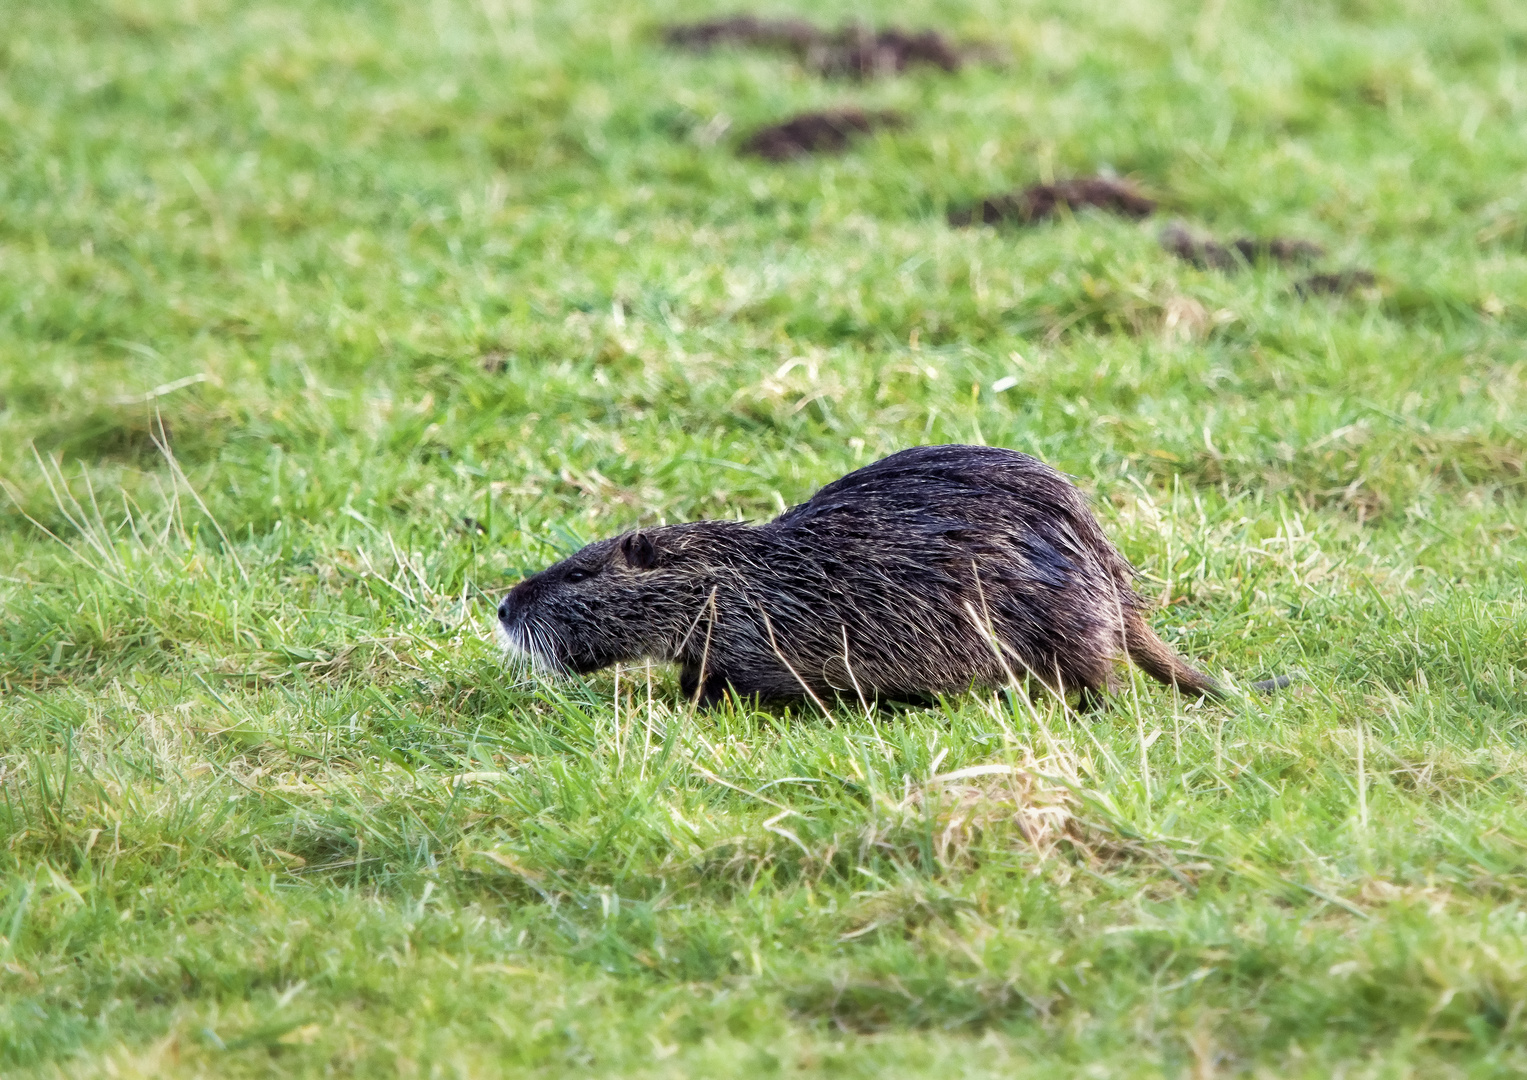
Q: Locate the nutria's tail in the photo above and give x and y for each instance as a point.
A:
(1156, 658)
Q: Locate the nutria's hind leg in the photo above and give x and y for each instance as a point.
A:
(1042, 691)
(1089, 700)
(897, 701)
(1092, 680)
(1092, 693)
(707, 696)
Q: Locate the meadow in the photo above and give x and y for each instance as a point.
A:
(322, 323)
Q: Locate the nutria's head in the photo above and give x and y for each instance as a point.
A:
(634, 597)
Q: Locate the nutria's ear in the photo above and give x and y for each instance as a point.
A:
(639, 551)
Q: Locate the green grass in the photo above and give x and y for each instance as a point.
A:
(424, 294)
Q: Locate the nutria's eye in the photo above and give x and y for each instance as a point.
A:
(579, 575)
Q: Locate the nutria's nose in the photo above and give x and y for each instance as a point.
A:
(503, 609)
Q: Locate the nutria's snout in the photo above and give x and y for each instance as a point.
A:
(593, 609)
(511, 609)
(526, 636)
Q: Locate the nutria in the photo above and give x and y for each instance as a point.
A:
(931, 571)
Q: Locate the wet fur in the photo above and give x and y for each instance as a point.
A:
(931, 571)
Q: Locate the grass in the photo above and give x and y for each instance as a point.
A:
(320, 323)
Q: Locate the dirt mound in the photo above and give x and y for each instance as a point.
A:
(852, 51)
(1044, 200)
(860, 53)
(826, 132)
(1206, 252)
(749, 31)
(1340, 283)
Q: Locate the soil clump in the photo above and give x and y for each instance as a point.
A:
(1208, 253)
(1041, 201)
(827, 132)
(1338, 283)
(851, 51)
(747, 31)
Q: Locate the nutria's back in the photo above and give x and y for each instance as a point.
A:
(930, 571)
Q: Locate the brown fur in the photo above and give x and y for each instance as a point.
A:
(928, 572)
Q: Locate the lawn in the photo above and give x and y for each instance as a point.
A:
(322, 322)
